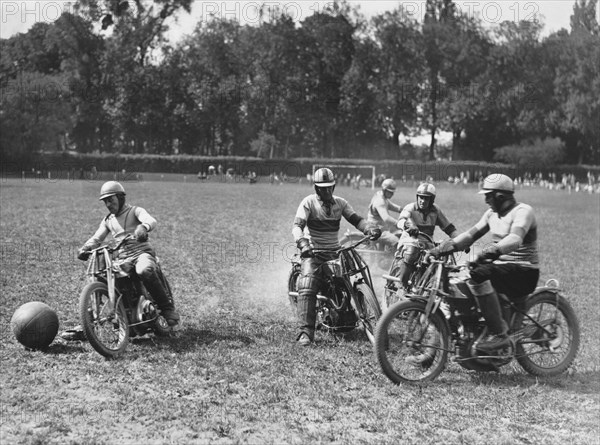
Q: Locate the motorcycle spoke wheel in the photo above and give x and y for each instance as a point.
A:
(409, 347)
(548, 341)
(293, 277)
(107, 332)
(370, 312)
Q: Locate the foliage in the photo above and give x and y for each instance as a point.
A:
(538, 153)
(332, 85)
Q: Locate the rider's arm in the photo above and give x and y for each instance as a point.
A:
(520, 226)
(467, 238)
(394, 208)
(443, 223)
(354, 218)
(300, 220)
(404, 220)
(97, 237)
(383, 213)
(145, 219)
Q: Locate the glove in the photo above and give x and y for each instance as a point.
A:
(373, 233)
(141, 233)
(445, 248)
(413, 231)
(83, 254)
(488, 255)
(305, 248)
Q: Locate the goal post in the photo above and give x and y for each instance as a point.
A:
(339, 174)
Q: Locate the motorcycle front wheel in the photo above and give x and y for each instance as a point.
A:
(369, 309)
(411, 348)
(106, 330)
(293, 277)
(549, 336)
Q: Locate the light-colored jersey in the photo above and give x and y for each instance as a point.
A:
(379, 208)
(121, 225)
(426, 220)
(315, 221)
(520, 221)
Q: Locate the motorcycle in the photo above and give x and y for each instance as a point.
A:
(374, 252)
(414, 338)
(413, 250)
(347, 299)
(115, 305)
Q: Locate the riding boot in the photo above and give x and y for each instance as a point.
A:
(307, 315)
(489, 304)
(405, 272)
(162, 299)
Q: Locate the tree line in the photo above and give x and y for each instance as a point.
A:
(104, 78)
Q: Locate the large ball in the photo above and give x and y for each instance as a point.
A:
(35, 325)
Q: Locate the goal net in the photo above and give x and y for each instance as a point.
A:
(351, 175)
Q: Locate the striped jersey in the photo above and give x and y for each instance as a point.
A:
(426, 220)
(321, 223)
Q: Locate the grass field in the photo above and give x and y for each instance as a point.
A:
(232, 374)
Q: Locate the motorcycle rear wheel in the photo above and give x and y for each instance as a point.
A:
(108, 334)
(369, 311)
(409, 348)
(550, 350)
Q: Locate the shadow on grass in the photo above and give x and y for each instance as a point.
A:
(191, 338)
(587, 382)
(63, 347)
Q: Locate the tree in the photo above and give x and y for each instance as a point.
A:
(439, 29)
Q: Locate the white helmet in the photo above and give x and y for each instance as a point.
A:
(111, 188)
(324, 178)
(497, 182)
(388, 185)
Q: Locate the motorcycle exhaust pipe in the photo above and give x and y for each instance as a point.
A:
(391, 278)
(320, 297)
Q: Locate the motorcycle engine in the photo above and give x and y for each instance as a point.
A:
(145, 310)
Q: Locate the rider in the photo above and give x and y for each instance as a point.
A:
(378, 213)
(316, 226)
(508, 265)
(124, 219)
(417, 217)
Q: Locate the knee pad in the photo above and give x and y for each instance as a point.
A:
(480, 289)
(410, 254)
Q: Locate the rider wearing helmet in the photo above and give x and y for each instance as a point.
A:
(122, 220)
(378, 213)
(509, 264)
(419, 216)
(316, 226)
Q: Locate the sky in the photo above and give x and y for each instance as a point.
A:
(19, 15)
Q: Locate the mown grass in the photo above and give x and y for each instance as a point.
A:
(233, 374)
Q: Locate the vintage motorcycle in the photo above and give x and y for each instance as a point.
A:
(347, 300)
(413, 250)
(115, 305)
(374, 252)
(415, 337)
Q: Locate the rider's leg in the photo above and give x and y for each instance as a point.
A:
(148, 271)
(489, 304)
(308, 286)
